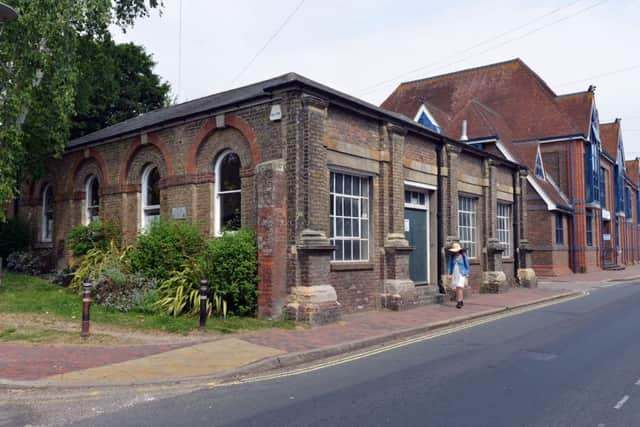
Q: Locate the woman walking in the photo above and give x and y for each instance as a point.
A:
(458, 269)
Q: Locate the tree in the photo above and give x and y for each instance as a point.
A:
(39, 72)
(115, 82)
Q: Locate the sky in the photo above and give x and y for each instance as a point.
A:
(366, 48)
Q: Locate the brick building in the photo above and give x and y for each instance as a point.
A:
(352, 205)
(577, 191)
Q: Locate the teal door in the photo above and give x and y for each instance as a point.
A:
(415, 230)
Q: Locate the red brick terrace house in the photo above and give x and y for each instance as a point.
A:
(352, 205)
(506, 109)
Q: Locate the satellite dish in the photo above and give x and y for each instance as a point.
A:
(7, 13)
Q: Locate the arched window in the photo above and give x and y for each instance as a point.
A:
(92, 200)
(47, 213)
(227, 198)
(150, 196)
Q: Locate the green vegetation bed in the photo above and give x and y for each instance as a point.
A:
(26, 294)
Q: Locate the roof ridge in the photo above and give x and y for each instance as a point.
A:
(467, 70)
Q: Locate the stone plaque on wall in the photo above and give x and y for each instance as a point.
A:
(179, 213)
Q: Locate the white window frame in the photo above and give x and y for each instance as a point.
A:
(147, 212)
(88, 218)
(362, 200)
(505, 235)
(47, 229)
(468, 234)
(217, 206)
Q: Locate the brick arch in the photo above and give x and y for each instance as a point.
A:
(135, 147)
(93, 158)
(209, 128)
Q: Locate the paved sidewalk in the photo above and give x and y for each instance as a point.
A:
(32, 365)
(585, 281)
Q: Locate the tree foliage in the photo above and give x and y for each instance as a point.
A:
(115, 82)
(39, 74)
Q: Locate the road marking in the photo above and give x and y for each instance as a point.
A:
(638, 382)
(600, 425)
(621, 402)
(394, 346)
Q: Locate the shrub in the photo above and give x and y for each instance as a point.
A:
(96, 235)
(180, 293)
(29, 262)
(14, 237)
(230, 263)
(126, 293)
(96, 263)
(165, 248)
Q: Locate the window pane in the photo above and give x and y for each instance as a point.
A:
(355, 227)
(230, 212)
(339, 254)
(347, 184)
(339, 227)
(229, 172)
(339, 186)
(365, 229)
(95, 193)
(364, 249)
(347, 207)
(339, 209)
(347, 228)
(331, 203)
(347, 250)
(356, 250)
(153, 188)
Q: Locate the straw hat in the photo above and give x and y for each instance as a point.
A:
(456, 248)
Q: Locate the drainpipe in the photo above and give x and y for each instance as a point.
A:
(439, 215)
(574, 255)
(515, 179)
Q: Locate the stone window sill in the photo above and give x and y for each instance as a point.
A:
(351, 266)
(508, 260)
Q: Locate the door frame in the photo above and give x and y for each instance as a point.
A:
(426, 189)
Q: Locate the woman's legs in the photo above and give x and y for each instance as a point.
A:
(459, 296)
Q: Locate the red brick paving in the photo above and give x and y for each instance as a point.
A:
(29, 362)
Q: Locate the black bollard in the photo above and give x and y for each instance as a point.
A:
(86, 304)
(204, 286)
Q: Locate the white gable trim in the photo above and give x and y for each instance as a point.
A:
(423, 109)
(550, 205)
(539, 156)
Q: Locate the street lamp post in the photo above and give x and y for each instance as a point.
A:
(7, 13)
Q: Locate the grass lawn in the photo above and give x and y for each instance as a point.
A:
(26, 294)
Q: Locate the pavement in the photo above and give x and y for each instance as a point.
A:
(225, 357)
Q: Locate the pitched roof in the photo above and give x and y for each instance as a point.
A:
(251, 93)
(633, 170)
(578, 107)
(609, 137)
(531, 109)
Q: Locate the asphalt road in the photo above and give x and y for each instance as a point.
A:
(570, 364)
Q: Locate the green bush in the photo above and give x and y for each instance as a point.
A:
(126, 293)
(96, 235)
(14, 237)
(98, 262)
(180, 293)
(30, 262)
(165, 248)
(230, 263)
